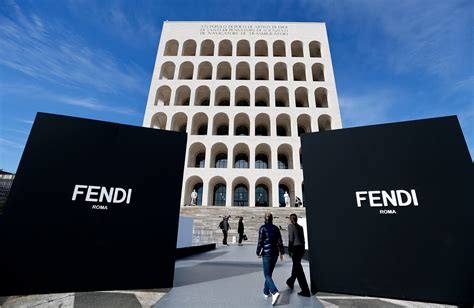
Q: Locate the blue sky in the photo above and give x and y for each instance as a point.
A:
(393, 60)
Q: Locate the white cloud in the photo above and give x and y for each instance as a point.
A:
(12, 144)
(93, 104)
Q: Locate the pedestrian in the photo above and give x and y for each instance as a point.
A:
(240, 230)
(269, 247)
(225, 227)
(296, 249)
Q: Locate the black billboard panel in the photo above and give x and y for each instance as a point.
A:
(94, 206)
(390, 211)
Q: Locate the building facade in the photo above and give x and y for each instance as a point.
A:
(244, 92)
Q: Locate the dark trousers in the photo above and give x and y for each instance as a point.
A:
(268, 267)
(297, 269)
(224, 241)
(241, 237)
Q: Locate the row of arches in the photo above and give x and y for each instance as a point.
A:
(261, 126)
(243, 48)
(261, 193)
(242, 71)
(222, 97)
(239, 158)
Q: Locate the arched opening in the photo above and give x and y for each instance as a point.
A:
(263, 187)
(299, 73)
(217, 191)
(261, 71)
(242, 71)
(163, 95)
(286, 185)
(205, 71)
(318, 72)
(240, 193)
(202, 97)
(158, 121)
(167, 71)
(262, 97)
(296, 49)
(262, 125)
(197, 155)
(171, 48)
(279, 49)
(283, 125)
(315, 49)
(207, 48)
(301, 97)
(242, 96)
(222, 96)
(263, 156)
(304, 124)
(186, 71)
(219, 156)
(189, 48)
(225, 48)
(221, 125)
(183, 94)
(224, 71)
(321, 97)
(243, 48)
(193, 183)
(179, 122)
(282, 97)
(198, 188)
(241, 124)
(261, 49)
(241, 156)
(199, 124)
(324, 123)
(280, 71)
(285, 157)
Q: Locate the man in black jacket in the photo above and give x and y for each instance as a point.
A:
(296, 249)
(269, 247)
(225, 227)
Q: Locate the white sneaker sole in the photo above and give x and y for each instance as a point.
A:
(275, 300)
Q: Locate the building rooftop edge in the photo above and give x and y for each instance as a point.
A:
(224, 21)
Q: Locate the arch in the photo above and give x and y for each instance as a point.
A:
(241, 155)
(195, 159)
(163, 95)
(243, 48)
(219, 155)
(217, 191)
(315, 49)
(221, 124)
(318, 72)
(171, 48)
(186, 70)
(199, 124)
(205, 71)
(189, 48)
(242, 71)
(202, 96)
(224, 71)
(242, 96)
(261, 71)
(262, 125)
(225, 48)
(283, 125)
(262, 97)
(207, 48)
(263, 189)
(261, 48)
(296, 49)
(167, 71)
(304, 124)
(179, 122)
(158, 121)
(222, 97)
(285, 156)
(183, 95)
(241, 125)
(324, 123)
(301, 97)
(240, 192)
(299, 72)
(279, 49)
(286, 184)
(280, 72)
(263, 156)
(193, 182)
(321, 97)
(282, 98)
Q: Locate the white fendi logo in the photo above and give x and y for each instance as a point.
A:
(382, 198)
(101, 194)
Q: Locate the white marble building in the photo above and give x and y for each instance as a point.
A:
(244, 92)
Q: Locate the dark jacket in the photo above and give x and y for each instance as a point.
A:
(269, 241)
(295, 236)
(224, 225)
(240, 229)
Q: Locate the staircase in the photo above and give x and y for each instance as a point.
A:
(207, 219)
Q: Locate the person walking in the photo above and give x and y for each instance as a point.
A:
(225, 227)
(240, 230)
(269, 246)
(296, 249)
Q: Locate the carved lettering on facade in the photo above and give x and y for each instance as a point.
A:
(244, 29)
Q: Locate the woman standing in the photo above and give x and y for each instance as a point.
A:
(296, 249)
(240, 230)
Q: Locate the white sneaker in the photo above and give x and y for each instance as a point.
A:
(266, 295)
(275, 298)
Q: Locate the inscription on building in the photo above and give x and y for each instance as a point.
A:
(244, 29)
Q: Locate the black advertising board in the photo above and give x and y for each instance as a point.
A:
(94, 206)
(390, 211)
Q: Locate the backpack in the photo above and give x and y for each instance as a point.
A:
(221, 225)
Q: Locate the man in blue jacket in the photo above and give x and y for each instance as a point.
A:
(269, 247)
